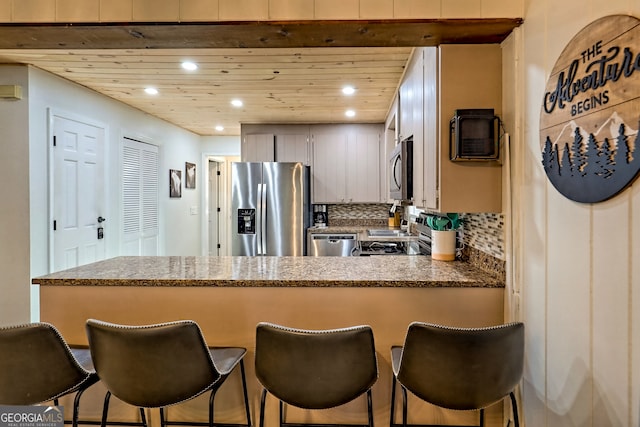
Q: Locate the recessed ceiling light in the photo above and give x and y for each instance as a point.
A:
(219, 128)
(236, 103)
(189, 66)
(350, 113)
(151, 91)
(348, 90)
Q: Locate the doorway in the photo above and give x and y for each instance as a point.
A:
(217, 221)
(214, 208)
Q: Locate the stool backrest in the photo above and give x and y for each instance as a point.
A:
(152, 365)
(315, 369)
(36, 365)
(462, 368)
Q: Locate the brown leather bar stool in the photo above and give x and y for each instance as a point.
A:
(155, 366)
(315, 369)
(37, 365)
(458, 368)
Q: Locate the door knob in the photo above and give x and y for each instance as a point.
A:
(100, 219)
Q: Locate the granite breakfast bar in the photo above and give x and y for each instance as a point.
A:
(228, 296)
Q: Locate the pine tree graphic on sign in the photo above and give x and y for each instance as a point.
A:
(594, 170)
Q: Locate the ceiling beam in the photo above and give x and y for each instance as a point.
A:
(271, 34)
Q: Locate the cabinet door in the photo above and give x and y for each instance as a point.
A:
(363, 171)
(406, 107)
(329, 166)
(416, 71)
(431, 131)
(257, 148)
(292, 148)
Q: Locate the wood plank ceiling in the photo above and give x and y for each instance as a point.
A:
(278, 81)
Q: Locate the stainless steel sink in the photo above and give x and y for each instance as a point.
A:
(388, 233)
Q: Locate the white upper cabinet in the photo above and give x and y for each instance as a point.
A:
(257, 148)
(292, 148)
(275, 143)
(329, 167)
(346, 163)
(345, 159)
(450, 77)
(363, 168)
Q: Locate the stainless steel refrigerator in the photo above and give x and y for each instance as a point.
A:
(271, 208)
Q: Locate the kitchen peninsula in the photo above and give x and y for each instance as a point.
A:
(228, 296)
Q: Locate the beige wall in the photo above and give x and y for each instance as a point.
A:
(15, 265)
(247, 10)
(574, 263)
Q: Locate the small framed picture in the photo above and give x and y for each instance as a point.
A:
(175, 183)
(190, 175)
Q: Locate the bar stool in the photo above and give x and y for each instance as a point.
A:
(37, 365)
(458, 368)
(315, 369)
(155, 366)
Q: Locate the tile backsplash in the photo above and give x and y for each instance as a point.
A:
(485, 232)
(376, 214)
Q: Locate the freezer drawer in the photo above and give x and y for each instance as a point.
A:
(342, 244)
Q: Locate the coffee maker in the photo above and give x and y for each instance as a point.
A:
(320, 215)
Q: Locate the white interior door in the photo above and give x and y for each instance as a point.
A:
(78, 193)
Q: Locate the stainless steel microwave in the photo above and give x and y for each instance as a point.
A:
(401, 171)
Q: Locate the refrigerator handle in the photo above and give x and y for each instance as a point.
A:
(259, 210)
(263, 219)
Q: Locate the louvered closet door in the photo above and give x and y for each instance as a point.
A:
(140, 192)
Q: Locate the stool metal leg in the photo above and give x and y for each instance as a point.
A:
(76, 408)
(393, 400)
(211, 398)
(262, 404)
(281, 412)
(105, 408)
(404, 405)
(246, 395)
(143, 418)
(370, 407)
(514, 406)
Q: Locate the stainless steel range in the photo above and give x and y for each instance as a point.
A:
(388, 242)
(424, 234)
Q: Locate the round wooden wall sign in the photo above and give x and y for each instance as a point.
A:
(591, 112)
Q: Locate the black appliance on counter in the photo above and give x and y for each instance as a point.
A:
(320, 216)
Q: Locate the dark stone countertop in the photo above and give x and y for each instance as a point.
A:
(236, 271)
